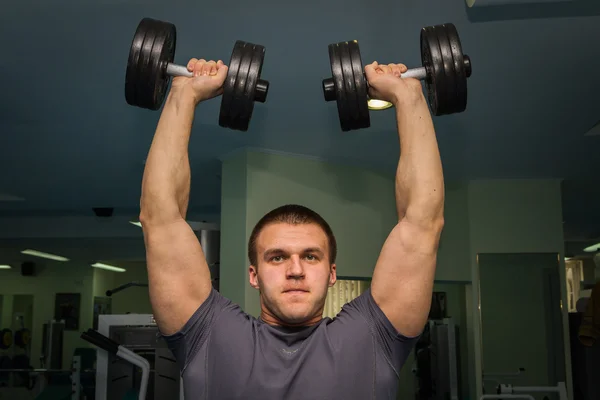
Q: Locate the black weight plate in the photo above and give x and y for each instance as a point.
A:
(431, 58)
(131, 74)
(144, 88)
(257, 55)
(446, 88)
(161, 51)
(22, 338)
(360, 82)
(239, 105)
(340, 90)
(460, 94)
(6, 339)
(351, 100)
(225, 119)
(152, 48)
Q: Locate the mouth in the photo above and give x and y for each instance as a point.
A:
(295, 291)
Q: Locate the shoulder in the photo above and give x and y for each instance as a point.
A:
(362, 320)
(364, 311)
(217, 315)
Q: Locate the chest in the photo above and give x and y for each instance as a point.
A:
(315, 368)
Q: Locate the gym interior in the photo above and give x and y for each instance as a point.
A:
(519, 260)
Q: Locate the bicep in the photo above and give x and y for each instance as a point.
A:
(403, 278)
(178, 275)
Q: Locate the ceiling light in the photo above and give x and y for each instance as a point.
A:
(5, 267)
(108, 267)
(44, 255)
(593, 248)
(378, 104)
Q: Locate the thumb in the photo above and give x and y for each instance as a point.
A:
(371, 70)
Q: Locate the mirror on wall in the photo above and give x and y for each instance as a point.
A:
(521, 321)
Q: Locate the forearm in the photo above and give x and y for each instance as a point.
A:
(166, 181)
(419, 176)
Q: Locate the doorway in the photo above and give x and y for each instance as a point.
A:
(521, 320)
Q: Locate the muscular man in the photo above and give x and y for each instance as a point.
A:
(291, 351)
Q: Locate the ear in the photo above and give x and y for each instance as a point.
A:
(332, 275)
(253, 276)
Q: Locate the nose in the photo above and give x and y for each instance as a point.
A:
(295, 270)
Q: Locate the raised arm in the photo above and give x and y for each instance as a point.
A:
(178, 276)
(403, 278)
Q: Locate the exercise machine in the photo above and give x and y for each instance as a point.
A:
(52, 344)
(437, 364)
(507, 391)
(136, 335)
(33, 375)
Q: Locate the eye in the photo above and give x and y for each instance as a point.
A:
(311, 257)
(277, 258)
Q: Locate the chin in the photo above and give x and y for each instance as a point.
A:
(296, 316)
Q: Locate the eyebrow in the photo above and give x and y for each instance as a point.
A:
(273, 252)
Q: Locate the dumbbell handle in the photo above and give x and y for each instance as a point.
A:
(178, 70)
(419, 73)
(260, 92)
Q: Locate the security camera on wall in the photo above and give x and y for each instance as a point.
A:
(28, 269)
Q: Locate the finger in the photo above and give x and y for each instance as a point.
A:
(396, 70)
(220, 64)
(377, 67)
(198, 67)
(371, 70)
(213, 69)
(403, 68)
(222, 73)
(386, 69)
(191, 63)
(208, 67)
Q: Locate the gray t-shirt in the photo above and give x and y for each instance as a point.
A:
(225, 353)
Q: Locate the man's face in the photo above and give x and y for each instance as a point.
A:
(293, 272)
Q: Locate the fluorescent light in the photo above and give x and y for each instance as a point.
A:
(108, 267)
(5, 267)
(136, 223)
(592, 249)
(378, 104)
(44, 255)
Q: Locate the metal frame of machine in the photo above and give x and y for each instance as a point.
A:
(109, 325)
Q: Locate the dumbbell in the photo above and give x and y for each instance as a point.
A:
(150, 68)
(445, 71)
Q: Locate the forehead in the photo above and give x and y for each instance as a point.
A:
(283, 235)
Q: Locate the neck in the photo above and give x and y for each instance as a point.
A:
(270, 319)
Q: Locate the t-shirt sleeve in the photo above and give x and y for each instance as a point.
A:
(187, 341)
(395, 346)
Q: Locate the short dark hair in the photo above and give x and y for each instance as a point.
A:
(291, 214)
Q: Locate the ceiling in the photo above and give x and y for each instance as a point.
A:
(69, 142)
